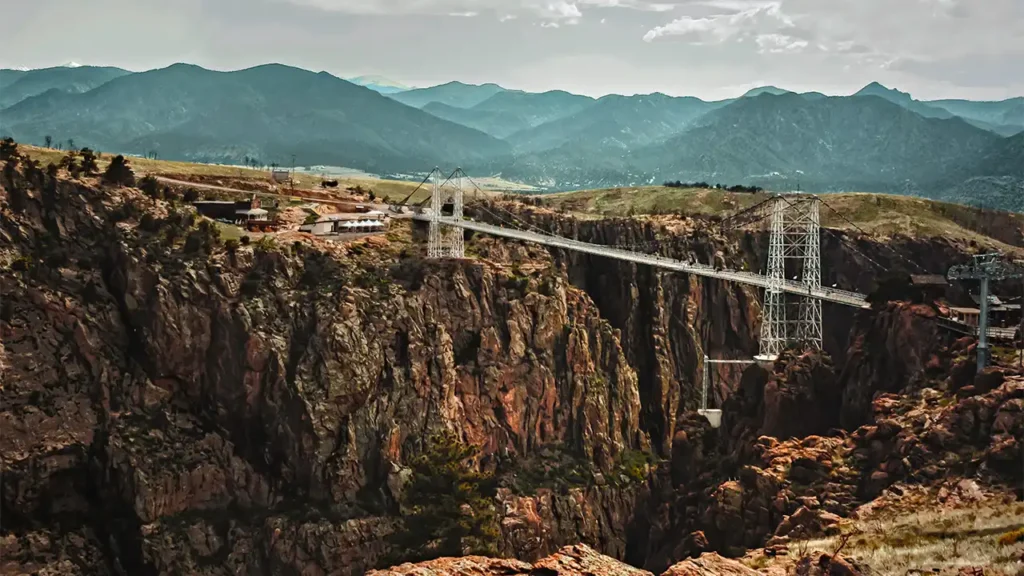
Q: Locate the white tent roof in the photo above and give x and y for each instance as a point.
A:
(252, 212)
(362, 224)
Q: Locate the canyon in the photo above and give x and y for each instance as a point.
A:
(176, 404)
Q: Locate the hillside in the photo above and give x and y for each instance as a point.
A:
(616, 122)
(455, 94)
(499, 124)
(534, 109)
(270, 112)
(881, 215)
(860, 143)
(1007, 115)
(781, 142)
(17, 85)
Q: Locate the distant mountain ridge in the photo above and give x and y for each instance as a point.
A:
(270, 112)
(17, 85)
(878, 139)
(379, 84)
(456, 94)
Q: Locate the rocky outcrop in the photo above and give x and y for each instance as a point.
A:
(797, 398)
(710, 565)
(897, 348)
(579, 560)
(257, 408)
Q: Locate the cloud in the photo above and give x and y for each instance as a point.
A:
(507, 17)
(464, 14)
(779, 43)
(564, 11)
(764, 19)
(561, 10)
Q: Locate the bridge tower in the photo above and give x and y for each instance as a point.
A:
(446, 241)
(795, 236)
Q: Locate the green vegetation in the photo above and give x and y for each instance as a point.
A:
(634, 465)
(88, 164)
(119, 172)
(449, 509)
(553, 468)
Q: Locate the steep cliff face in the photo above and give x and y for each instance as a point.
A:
(668, 321)
(255, 408)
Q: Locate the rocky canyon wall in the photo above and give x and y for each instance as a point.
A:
(176, 404)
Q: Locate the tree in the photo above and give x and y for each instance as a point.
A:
(311, 219)
(119, 172)
(71, 143)
(48, 140)
(449, 505)
(190, 195)
(68, 163)
(150, 186)
(89, 166)
(8, 149)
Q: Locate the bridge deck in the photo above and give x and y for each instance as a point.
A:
(825, 294)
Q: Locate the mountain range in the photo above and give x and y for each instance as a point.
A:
(878, 139)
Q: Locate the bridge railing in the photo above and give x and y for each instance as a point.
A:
(829, 294)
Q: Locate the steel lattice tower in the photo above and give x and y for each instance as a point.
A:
(446, 241)
(804, 230)
(773, 311)
(434, 248)
(795, 235)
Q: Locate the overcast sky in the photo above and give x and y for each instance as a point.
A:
(706, 48)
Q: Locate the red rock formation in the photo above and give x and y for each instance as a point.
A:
(200, 394)
(578, 560)
(710, 565)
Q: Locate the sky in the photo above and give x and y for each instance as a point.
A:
(706, 48)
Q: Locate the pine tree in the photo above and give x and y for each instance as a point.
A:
(448, 505)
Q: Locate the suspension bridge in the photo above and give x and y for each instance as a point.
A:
(791, 309)
(792, 306)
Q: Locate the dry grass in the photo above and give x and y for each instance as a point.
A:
(898, 543)
(383, 190)
(879, 214)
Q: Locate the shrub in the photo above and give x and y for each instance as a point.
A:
(245, 240)
(151, 187)
(119, 172)
(190, 195)
(8, 149)
(231, 246)
(88, 165)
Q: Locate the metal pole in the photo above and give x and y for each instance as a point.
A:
(704, 388)
(983, 354)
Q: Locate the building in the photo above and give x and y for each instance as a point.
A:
(969, 316)
(280, 176)
(348, 223)
(238, 212)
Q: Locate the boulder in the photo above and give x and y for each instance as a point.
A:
(710, 564)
